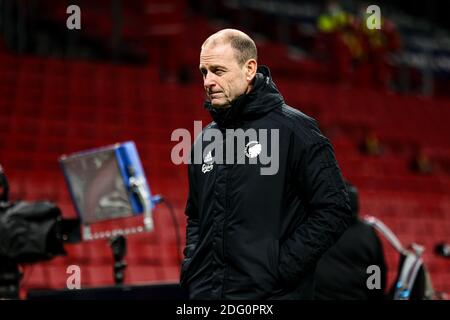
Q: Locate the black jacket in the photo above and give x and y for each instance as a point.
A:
(253, 236)
(341, 273)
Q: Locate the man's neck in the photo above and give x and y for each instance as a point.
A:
(249, 88)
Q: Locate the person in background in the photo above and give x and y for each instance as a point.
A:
(341, 273)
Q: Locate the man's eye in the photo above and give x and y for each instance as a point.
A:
(219, 72)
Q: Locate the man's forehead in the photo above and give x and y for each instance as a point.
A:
(217, 53)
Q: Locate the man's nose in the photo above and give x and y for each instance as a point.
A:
(208, 81)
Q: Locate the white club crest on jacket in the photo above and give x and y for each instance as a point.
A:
(253, 149)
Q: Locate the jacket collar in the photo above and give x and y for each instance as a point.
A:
(263, 98)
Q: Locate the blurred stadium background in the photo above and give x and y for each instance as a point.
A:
(131, 73)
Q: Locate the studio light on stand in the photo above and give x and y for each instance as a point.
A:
(107, 184)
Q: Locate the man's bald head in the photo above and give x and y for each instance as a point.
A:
(228, 65)
(243, 45)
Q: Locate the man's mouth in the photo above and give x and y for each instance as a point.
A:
(213, 95)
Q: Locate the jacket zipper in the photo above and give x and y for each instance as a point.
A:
(225, 220)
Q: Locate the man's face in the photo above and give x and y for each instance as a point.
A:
(223, 79)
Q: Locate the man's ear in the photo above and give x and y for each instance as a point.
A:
(250, 69)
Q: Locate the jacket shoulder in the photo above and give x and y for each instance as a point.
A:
(198, 138)
(304, 127)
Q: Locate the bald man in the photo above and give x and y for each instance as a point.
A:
(253, 234)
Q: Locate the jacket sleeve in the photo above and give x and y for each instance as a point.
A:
(192, 228)
(328, 214)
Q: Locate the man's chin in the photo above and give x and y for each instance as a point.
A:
(219, 104)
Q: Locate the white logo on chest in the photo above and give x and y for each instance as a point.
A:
(253, 149)
(207, 163)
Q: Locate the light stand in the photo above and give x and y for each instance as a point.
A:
(119, 249)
